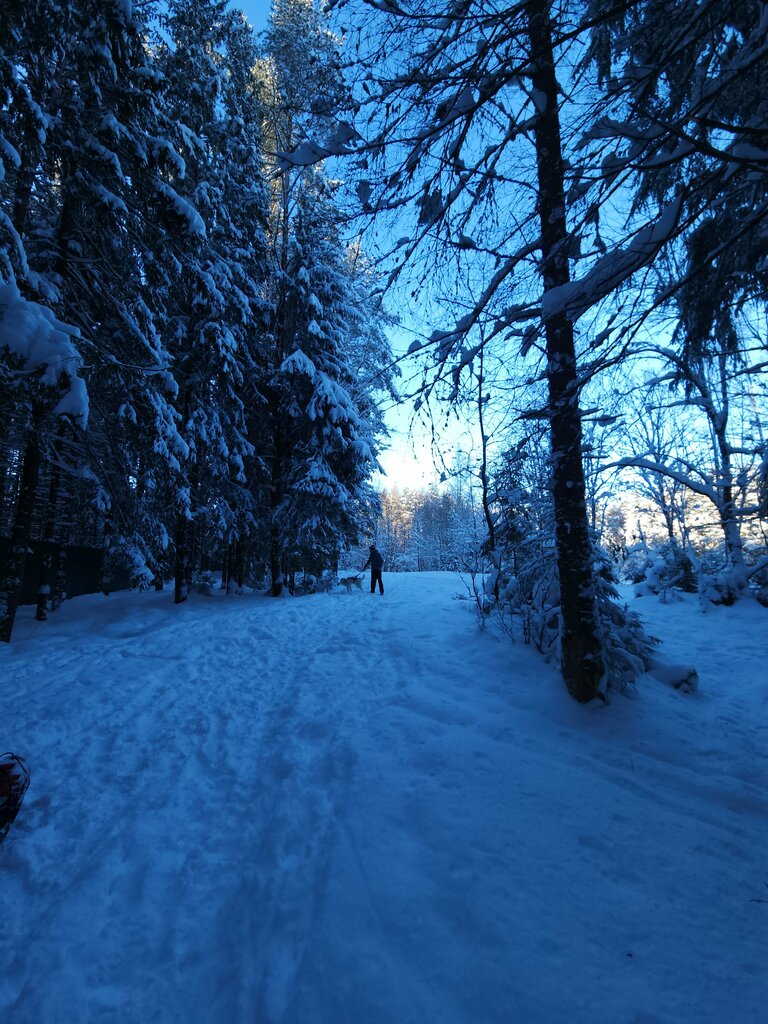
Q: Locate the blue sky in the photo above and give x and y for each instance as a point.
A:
(257, 12)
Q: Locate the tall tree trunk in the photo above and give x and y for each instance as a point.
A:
(181, 535)
(44, 584)
(11, 583)
(51, 536)
(276, 491)
(277, 482)
(59, 578)
(485, 490)
(227, 567)
(239, 564)
(581, 649)
(7, 487)
(729, 520)
(180, 558)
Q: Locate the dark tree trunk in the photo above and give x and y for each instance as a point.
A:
(10, 585)
(234, 566)
(729, 517)
(275, 499)
(180, 559)
(181, 538)
(487, 510)
(44, 585)
(51, 533)
(240, 564)
(59, 578)
(283, 345)
(581, 650)
(225, 571)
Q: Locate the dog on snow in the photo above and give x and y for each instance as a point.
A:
(351, 581)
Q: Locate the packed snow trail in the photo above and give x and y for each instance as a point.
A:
(349, 809)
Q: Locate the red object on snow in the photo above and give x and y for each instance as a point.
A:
(14, 780)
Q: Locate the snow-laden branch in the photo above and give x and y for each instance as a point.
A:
(194, 223)
(576, 297)
(640, 462)
(342, 142)
(45, 345)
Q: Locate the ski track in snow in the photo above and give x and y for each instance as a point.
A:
(212, 799)
(345, 809)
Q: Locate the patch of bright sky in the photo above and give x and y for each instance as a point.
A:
(256, 11)
(422, 446)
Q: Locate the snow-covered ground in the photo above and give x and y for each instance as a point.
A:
(346, 809)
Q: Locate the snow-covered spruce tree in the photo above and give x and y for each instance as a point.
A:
(41, 362)
(85, 228)
(326, 326)
(332, 447)
(110, 160)
(210, 278)
(100, 219)
(240, 232)
(40, 355)
(31, 41)
(296, 83)
(686, 122)
(22, 125)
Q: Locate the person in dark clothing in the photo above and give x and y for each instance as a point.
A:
(376, 563)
